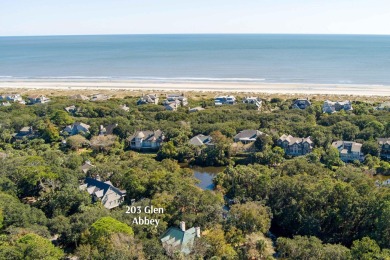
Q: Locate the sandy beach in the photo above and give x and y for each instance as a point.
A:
(218, 87)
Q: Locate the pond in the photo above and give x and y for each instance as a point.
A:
(206, 175)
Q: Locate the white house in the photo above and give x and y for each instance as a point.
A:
(149, 140)
(253, 100)
(332, 107)
(224, 100)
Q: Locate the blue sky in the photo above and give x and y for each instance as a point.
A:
(60, 17)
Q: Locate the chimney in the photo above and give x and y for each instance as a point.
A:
(197, 230)
(132, 201)
(182, 225)
(98, 178)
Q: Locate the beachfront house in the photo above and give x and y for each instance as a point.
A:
(349, 151)
(301, 103)
(195, 109)
(110, 196)
(224, 100)
(148, 99)
(254, 101)
(247, 136)
(26, 132)
(108, 129)
(179, 240)
(99, 97)
(332, 107)
(384, 148)
(146, 140)
(295, 146)
(79, 97)
(38, 99)
(76, 128)
(183, 101)
(13, 98)
(384, 106)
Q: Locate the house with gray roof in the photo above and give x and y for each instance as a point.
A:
(99, 97)
(110, 196)
(108, 129)
(384, 146)
(224, 100)
(13, 98)
(76, 128)
(148, 99)
(295, 146)
(349, 151)
(254, 101)
(26, 132)
(301, 103)
(333, 107)
(38, 99)
(172, 106)
(247, 136)
(200, 140)
(146, 140)
(179, 239)
(384, 106)
(183, 101)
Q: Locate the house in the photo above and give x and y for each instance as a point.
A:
(172, 106)
(80, 97)
(99, 97)
(253, 100)
(76, 128)
(177, 97)
(201, 140)
(25, 132)
(224, 100)
(125, 108)
(38, 99)
(384, 106)
(148, 140)
(332, 107)
(148, 99)
(247, 136)
(195, 109)
(107, 130)
(295, 146)
(384, 146)
(5, 104)
(349, 151)
(71, 109)
(86, 166)
(110, 196)
(179, 239)
(13, 98)
(301, 104)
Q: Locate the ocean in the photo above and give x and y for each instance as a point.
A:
(330, 59)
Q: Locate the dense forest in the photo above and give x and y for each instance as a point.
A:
(265, 204)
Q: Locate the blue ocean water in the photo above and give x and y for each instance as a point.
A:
(349, 59)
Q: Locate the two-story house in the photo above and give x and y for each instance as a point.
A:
(110, 196)
(301, 104)
(38, 99)
(349, 151)
(295, 146)
(224, 100)
(254, 101)
(332, 107)
(148, 99)
(146, 140)
(13, 98)
(183, 101)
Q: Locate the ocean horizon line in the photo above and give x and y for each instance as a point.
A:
(200, 34)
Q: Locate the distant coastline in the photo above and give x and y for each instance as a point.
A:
(197, 86)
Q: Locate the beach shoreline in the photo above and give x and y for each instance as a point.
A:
(198, 86)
